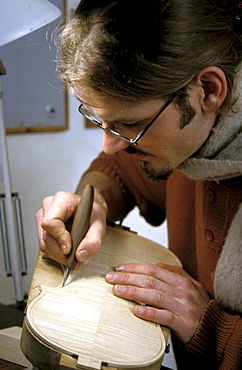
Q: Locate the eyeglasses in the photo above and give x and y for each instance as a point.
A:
(114, 129)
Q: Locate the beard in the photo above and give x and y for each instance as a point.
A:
(152, 173)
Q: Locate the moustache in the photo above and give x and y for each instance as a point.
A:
(134, 150)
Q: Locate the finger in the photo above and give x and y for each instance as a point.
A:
(38, 218)
(52, 249)
(56, 229)
(157, 272)
(150, 284)
(55, 213)
(172, 275)
(92, 241)
(182, 327)
(47, 243)
(181, 316)
(62, 205)
(139, 280)
(151, 297)
(183, 288)
(162, 317)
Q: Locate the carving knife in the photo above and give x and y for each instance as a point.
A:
(79, 227)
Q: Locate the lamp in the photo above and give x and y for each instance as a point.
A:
(17, 19)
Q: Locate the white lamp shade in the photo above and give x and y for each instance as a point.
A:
(20, 17)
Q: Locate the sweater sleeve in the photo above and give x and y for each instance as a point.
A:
(218, 338)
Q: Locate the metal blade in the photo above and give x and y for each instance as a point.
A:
(67, 272)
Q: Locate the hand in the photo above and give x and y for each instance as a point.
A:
(54, 218)
(172, 298)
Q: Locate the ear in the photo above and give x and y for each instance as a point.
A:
(214, 84)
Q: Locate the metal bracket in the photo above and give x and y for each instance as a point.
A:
(20, 234)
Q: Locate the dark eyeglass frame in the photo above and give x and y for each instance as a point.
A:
(140, 134)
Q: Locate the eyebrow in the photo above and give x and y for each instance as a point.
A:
(121, 120)
(125, 120)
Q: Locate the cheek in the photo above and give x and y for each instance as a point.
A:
(173, 145)
(167, 139)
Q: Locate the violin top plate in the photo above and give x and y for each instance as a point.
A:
(85, 320)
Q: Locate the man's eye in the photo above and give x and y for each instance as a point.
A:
(131, 126)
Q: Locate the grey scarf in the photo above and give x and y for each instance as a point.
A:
(221, 158)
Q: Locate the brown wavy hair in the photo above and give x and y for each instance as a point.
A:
(138, 50)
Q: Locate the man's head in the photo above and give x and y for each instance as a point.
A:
(138, 50)
(126, 59)
(176, 133)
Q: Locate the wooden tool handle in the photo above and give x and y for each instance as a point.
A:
(80, 223)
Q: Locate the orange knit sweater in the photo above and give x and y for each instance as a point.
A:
(199, 214)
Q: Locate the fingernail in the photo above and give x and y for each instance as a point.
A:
(82, 255)
(139, 310)
(111, 276)
(120, 288)
(119, 268)
(63, 248)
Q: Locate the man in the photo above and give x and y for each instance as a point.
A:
(163, 82)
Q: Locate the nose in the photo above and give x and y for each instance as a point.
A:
(112, 144)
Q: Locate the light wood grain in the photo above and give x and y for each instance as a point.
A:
(10, 346)
(85, 319)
